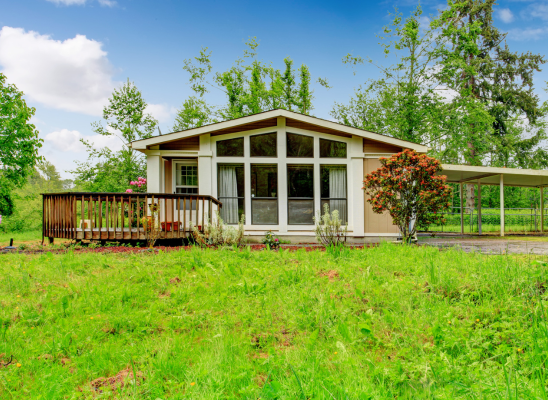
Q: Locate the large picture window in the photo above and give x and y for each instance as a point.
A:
(231, 191)
(264, 194)
(300, 193)
(333, 189)
(264, 145)
(332, 149)
(230, 148)
(186, 182)
(300, 145)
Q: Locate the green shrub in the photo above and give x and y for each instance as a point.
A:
(329, 228)
(218, 233)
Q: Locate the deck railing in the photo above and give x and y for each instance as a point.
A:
(118, 216)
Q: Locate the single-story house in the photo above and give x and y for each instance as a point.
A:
(278, 168)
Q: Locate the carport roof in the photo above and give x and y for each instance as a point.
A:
(491, 175)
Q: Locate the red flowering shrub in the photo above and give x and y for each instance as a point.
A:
(408, 188)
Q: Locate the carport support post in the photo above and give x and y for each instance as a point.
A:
(542, 209)
(479, 207)
(501, 205)
(461, 210)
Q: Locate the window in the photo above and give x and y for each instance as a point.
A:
(264, 194)
(230, 148)
(332, 149)
(300, 193)
(186, 182)
(333, 189)
(300, 145)
(231, 191)
(264, 145)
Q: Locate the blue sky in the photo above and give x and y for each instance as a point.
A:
(67, 55)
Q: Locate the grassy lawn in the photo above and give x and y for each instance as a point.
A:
(380, 323)
(31, 237)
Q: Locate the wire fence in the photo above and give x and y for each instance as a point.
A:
(522, 220)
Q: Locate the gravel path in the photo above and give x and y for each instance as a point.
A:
(487, 246)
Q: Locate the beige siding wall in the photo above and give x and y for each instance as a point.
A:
(376, 223)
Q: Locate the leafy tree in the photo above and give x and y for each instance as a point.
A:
(477, 64)
(403, 102)
(251, 86)
(494, 103)
(112, 171)
(27, 215)
(406, 185)
(194, 113)
(19, 143)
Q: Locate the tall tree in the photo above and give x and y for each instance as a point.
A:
(194, 113)
(403, 102)
(492, 89)
(251, 86)
(125, 118)
(19, 143)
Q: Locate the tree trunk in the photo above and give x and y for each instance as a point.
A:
(470, 196)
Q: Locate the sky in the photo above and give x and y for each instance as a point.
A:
(68, 55)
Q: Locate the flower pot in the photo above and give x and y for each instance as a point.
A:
(170, 226)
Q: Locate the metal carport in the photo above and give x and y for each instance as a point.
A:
(495, 176)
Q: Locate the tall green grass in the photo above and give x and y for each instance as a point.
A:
(20, 237)
(379, 323)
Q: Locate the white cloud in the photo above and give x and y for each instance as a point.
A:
(505, 15)
(69, 141)
(73, 75)
(107, 3)
(65, 140)
(537, 10)
(528, 34)
(162, 112)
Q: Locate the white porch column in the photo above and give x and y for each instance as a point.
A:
(154, 174)
(282, 176)
(501, 205)
(542, 209)
(479, 206)
(461, 210)
(205, 174)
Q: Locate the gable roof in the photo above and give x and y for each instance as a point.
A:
(268, 118)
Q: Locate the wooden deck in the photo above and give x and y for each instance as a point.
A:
(123, 216)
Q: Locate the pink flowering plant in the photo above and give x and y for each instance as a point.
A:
(271, 240)
(408, 188)
(138, 205)
(139, 186)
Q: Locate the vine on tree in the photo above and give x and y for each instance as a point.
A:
(408, 188)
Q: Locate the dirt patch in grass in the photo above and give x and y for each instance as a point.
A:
(5, 361)
(119, 380)
(175, 280)
(126, 249)
(332, 275)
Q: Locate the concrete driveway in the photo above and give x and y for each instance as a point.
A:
(537, 245)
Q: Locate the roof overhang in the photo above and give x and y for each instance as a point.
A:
(491, 175)
(145, 143)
